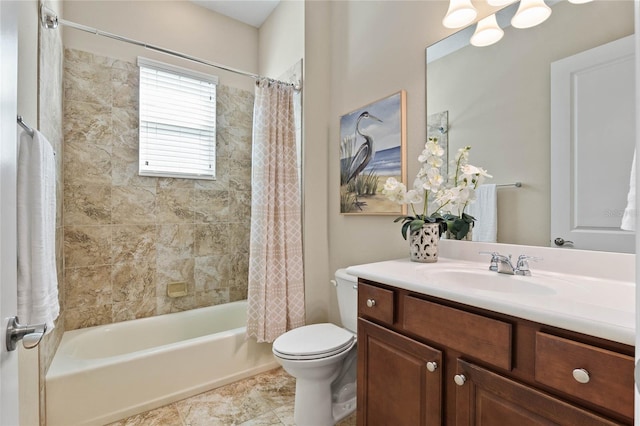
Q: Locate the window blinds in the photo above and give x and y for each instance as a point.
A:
(177, 121)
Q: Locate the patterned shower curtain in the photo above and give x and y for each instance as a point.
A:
(276, 286)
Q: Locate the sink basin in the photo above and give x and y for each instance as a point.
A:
(487, 281)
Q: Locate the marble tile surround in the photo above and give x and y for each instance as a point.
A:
(126, 236)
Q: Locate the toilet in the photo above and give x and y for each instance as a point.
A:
(322, 358)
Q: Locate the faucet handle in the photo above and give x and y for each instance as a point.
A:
(525, 257)
(494, 259)
(522, 266)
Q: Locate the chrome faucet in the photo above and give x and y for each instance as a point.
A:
(502, 264)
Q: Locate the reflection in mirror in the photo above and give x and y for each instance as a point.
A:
(498, 101)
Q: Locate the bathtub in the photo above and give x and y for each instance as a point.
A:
(109, 372)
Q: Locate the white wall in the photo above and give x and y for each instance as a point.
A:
(169, 24)
(377, 49)
(28, 61)
(281, 39)
(316, 138)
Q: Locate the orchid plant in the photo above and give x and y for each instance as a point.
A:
(463, 182)
(449, 199)
(427, 183)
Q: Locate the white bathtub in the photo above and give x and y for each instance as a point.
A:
(105, 373)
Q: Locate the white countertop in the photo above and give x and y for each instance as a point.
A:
(595, 306)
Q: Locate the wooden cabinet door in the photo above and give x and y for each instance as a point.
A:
(395, 385)
(489, 399)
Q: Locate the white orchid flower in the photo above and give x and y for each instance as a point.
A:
(424, 156)
(413, 197)
(434, 161)
(391, 184)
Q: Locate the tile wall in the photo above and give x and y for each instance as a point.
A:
(125, 236)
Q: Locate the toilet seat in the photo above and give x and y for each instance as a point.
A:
(313, 342)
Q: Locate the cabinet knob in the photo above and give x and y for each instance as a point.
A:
(581, 375)
(432, 366)
(459, 379)
(371, 303)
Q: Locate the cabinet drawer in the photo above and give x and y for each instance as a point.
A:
(375, 302)
(480, 337)
(610, 374)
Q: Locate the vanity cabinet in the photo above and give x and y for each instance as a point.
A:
(486, 398)
(429, 361)
(402, 378)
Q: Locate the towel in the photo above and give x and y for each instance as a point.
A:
(36, 197)
(485, 210)
(629, 215)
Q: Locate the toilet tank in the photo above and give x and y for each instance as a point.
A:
(346, 286)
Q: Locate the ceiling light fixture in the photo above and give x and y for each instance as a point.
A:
(460, 14)
(487, 32)
(579, 1)
(502, 2)
(530, 13)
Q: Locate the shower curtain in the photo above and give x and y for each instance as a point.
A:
(276, 286)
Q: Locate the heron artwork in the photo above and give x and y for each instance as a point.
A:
(363, 156)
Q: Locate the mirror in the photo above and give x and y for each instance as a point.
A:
(498, 101)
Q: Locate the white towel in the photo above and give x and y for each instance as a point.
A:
(629, 215)
(485, 210)
(36, 197)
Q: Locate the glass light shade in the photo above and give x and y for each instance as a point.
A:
(487, 32)
(461, 13)
(503, 2)
(530, 13)
(579, 1)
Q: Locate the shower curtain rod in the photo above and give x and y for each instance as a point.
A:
(50, 20)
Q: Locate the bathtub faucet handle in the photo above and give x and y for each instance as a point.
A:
(30, 335)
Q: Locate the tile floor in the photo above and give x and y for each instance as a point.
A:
(265, 399)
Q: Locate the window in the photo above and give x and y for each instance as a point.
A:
(177, 122)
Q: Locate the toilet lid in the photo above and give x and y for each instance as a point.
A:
(313, 341)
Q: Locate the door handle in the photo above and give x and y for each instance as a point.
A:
(30, 335)
(561, 241)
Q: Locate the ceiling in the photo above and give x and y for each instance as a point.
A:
(251, 12)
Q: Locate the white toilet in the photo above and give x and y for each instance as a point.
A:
(322, 358)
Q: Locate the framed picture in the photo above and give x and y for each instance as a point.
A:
(372, 149)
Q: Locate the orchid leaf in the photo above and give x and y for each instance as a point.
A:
(404, 229)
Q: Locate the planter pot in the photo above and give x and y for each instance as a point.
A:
(423, 243)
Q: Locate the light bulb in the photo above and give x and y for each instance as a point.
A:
(487, 32)
(461, 13)
(530, 13)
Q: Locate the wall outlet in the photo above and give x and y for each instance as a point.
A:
(177, 289)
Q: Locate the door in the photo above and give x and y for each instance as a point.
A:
(8, 270)
(399, 379)
(636, 12)
(592, 146)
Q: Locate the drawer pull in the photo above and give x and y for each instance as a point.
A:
(459, 379)
(581, 375)
(432, 366)
(371, 303)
